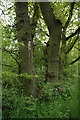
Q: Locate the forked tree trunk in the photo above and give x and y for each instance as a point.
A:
(25, 48)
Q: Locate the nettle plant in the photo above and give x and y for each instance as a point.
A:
(59, 90)
(62, 91)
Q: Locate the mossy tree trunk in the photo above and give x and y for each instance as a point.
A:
(54, 27)
(25, 48)
(62, 57)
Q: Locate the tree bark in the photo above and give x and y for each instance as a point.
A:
(25, 48)
(62, 57)
(54, 27)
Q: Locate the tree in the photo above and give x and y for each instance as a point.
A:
(26, 66)
(59, 45)
(44, 37)
(54, 27)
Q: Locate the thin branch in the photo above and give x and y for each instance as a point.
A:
(75, 60)
(40, 28)
(70, 14)
(45, 33)
(11, 55)
(7, 65)
(71, 45)
(77, 48)
(73, 34)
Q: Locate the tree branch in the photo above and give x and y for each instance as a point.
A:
(45, 33)
(11, 55)
(7, 65)
(35, 18)
(75, 60)
(73, 34)
(48, 15)
(77, 48)
(70, 14)
(71, 45)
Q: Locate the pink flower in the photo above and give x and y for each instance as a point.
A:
(56, 89)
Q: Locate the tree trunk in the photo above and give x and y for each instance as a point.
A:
(25, 48)
(62, 57)
(53, 54)
(54, 27)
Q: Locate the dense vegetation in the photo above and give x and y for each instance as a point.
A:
(44, 84)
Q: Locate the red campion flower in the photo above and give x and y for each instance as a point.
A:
(56, 89)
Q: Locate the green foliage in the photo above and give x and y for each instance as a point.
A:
(55, 101)
(52, 101)
(26, 75)
(17, 106)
